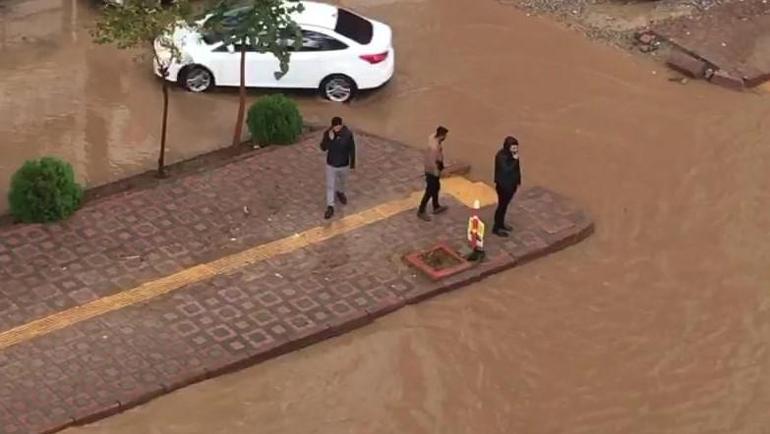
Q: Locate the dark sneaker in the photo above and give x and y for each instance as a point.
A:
(500, 233)
(342, 198)
(329, 212)
(440, 209)
(423, 216)
(507, 227)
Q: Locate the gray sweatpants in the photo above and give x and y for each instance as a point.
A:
(335, 182)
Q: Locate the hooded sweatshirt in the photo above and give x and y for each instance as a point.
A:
(507, 169)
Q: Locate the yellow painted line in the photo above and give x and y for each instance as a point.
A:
(460, 188)
(466, 192)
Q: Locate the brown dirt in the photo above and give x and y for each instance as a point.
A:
(439, 259)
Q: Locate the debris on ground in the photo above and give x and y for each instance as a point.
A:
(647, 41)
(636, 26)
(687, 64)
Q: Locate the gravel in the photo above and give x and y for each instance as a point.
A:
(704, 4)
(574, 13)
(556, 7)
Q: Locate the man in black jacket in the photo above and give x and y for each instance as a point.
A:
(340, 148)
(507, 181)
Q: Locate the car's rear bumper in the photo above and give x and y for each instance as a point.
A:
(379, 74)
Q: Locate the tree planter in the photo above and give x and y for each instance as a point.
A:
(438, 262)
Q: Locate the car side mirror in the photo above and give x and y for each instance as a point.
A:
(231, 48)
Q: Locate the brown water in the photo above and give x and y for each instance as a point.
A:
(94, 106)
(660, 323)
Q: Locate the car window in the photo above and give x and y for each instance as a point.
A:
(249, 48)
(230, 21)
(314, 41)
(354, 27)
(211, 38)
(236, 48)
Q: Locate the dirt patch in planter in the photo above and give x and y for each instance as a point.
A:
(440, 259)
(438, 262)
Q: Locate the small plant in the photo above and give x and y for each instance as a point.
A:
(274, 120)
(44, 191)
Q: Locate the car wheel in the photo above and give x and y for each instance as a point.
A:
(197, 79)
(338, 88)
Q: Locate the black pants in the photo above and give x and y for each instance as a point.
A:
(504, 197)
(432, 187)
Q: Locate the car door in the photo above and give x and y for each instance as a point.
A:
(319, 56)
(228, 66)
(258, 67)
(223, 62)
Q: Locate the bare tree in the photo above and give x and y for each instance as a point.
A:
(264, 26)
(147, 23)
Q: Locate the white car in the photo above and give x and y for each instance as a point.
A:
(341, 53)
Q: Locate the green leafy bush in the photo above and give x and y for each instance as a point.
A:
(44, 191)
(274, 120)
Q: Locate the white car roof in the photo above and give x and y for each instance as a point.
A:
(314, 14)
(317, 14)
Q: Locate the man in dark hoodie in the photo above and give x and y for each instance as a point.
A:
(507, 181)
(340, 148)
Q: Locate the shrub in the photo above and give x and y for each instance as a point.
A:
(274, 119)
(44, 191)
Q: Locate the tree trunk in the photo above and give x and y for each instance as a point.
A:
(162, 154)
(241, 100)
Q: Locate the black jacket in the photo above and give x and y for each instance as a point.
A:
(341, 150)
(507, 170)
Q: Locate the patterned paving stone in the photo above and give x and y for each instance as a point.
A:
(106, 364)
(131, 238)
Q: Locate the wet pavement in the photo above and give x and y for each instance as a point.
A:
(658, 323)
(143, 293)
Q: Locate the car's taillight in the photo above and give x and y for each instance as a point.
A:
(375, 58)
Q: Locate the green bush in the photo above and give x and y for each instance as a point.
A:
(44, 191)
(274, 120)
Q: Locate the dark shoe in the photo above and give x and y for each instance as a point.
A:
(507, 227)
(329, 212)
(423, 216)
(342, 198)
(440, 209)
(500, 233)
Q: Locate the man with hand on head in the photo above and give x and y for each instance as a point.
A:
(340, 148)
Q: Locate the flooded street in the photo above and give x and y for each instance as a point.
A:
(91, 105)
(659, 323)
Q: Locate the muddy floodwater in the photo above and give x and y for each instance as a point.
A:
(660, 323)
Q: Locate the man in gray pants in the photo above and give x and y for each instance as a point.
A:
(340, 148)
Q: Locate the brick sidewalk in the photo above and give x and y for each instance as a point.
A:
(123, 358)
(127, 239)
